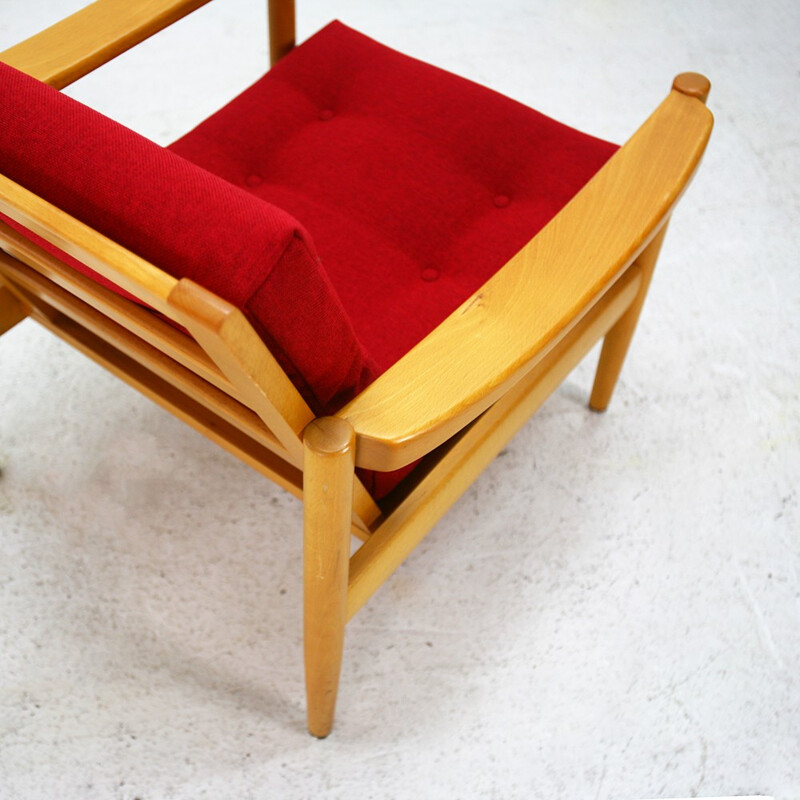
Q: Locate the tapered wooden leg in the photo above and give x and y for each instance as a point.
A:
(328, 469)
(618, 338)
(12, 309)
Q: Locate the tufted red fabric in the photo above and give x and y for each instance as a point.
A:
(415, 185)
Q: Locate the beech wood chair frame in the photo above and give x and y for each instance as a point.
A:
(457, 397)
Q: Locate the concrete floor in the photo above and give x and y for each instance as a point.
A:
(612, 611)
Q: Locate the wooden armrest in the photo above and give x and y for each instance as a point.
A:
(92, 36)
(499, 334)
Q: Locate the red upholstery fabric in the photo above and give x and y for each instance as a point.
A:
(188, 222)
(415, 185)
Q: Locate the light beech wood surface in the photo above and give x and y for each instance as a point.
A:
(89, 38)
(329, 445)
(489, 342)
(456, 398)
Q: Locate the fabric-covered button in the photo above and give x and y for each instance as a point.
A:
(501, 200)
(254, 180)
(326, 114)
(429, 274)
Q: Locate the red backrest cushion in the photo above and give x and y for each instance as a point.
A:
(189, 223)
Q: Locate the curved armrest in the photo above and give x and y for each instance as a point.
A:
(92, 36)
(501, 332)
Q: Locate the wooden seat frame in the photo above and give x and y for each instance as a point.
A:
(457, 397)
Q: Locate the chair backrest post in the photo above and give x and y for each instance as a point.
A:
(281, 29)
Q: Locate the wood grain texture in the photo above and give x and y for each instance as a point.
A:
(92, 36)
(154, 288)
(57, 301)
(43, 274)
(328, 471)
(395, 538)
(227, 337)
(214, 413)
(489, 343)
(168, 394)
(474, 381)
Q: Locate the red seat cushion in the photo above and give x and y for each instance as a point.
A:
(414, 185)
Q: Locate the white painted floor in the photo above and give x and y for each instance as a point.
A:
(612, 611)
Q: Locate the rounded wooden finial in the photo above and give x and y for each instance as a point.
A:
(694, 84)
(329, 435)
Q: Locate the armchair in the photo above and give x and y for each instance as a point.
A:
(361, 277)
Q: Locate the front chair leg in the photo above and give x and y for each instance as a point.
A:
(618, 338)
(328, 470)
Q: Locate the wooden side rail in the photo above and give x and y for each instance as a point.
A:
(164, 374)
(49, 299)
(215, 324)
(89, 38)
(109, 259)
(520, 314)
(230, 344)
(225, 334)
(42, 273)
(393, 540)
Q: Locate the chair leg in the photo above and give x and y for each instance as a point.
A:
(328, 473)
(12, 309)
(618, 338)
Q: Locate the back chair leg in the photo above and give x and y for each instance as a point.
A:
(329, 464)
(12, 309)
(618, 338)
